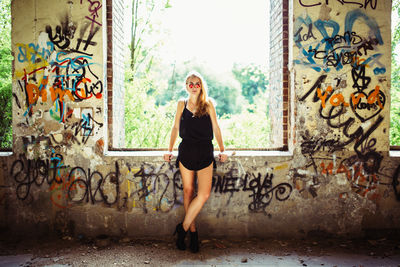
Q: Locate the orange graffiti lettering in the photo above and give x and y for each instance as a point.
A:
(323, 96)
(60, 93)
(338, 99)
(374, 97)
(356, 100)
(34, 93)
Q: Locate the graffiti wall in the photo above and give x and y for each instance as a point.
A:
(341, 54)
(58, 83)
(340, 178)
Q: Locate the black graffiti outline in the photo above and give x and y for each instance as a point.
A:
(395, 183)
(27, 172)
(372, 3)
(257, 188)
(90, 193)
(359, 135)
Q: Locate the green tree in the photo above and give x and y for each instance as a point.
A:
(5, 75)
(252, 79)
(175, 89)
(226, 94)
(144, 26)
(224, 90)
(395, 83)
(146, 126)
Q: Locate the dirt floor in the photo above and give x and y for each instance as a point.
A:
(107, 251)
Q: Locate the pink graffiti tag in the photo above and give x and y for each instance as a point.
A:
(93, 9)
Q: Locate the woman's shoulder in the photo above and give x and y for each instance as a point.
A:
(210, 102)
(181, 103)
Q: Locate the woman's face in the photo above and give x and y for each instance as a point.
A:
(193, 85)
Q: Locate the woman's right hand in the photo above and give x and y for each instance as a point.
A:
(168, 156)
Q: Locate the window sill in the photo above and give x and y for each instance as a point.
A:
(241, 153)
(394, 153)
(5, 153)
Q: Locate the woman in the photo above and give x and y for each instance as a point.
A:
(196, 121)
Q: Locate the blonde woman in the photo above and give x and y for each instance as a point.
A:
(196, 122)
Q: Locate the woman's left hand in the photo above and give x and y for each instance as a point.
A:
(222, 157)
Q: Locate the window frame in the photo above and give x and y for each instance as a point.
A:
(285, 89)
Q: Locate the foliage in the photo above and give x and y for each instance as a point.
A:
(252, 79)
(395, 83)
(5, 75)
(249, 129)
(145, 27)
(145, 125)
(223, 89)
(151, 107)
(153, 88)
(226, 94)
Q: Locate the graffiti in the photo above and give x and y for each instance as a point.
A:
(63, 37)
(93, 9)
(313, 144)
(159, 188)
(364, 105)
(357, 3)
(149, 183)
(375, 100)
(261, 187)
(70, 78)
(53, 72)
(361, 172)
(26, 172)
(299, 37)
(337, 50)
(396, 183)
(332, 116)
(90, 186)
(85, 127)
(225, 184)
(59, 191)
(33, 53)
(364, 173)
(263, 192)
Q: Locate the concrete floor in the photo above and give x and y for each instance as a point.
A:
(105, 251)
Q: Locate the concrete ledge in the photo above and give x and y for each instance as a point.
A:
(394, 153)
(6, 153)
(241, 153)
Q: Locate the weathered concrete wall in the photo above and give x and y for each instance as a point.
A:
(339, 180)
(341, 56)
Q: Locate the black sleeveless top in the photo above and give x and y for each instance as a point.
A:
(196, 150)
(195, 129)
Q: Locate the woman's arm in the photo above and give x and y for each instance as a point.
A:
(174, 130)
(217, 131)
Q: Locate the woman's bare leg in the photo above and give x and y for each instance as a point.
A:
(204, 181)
(188, 190)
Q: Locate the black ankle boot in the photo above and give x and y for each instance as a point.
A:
(194, 242)
(180, 241)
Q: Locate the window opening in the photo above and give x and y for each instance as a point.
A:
(5, 77)
(395, 81)
(229, 48)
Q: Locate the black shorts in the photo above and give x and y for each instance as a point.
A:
(195, 156)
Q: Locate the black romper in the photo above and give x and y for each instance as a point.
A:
(196, 150)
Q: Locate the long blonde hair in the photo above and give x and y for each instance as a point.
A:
(202, 101)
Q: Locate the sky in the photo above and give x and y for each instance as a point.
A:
(217, 32)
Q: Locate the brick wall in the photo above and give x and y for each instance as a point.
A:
(115, 73)
(278, 76)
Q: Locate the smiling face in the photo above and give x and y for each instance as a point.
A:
(193, 85)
